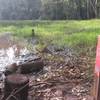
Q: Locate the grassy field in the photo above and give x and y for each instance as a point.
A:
(82, 34)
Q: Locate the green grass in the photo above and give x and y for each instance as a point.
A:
(72, 33)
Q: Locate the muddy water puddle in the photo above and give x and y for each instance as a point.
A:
(8, 56)
(10, 51)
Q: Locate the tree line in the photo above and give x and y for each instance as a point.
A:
(49, 9)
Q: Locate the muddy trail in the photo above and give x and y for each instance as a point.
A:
(64, 75)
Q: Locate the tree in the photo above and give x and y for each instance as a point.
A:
(53, 9)
(49, 9)
(20, 9)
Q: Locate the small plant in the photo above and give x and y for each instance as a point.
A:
(33, 33)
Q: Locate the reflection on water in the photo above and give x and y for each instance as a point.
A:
(11, 55)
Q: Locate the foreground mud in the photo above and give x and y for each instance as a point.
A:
(65, 76)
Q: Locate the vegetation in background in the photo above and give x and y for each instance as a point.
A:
(49, 9)
(80, 34)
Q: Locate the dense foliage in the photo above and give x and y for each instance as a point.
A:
(49, 9)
